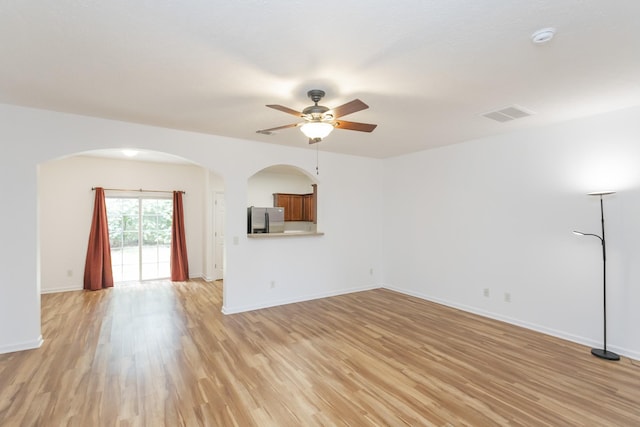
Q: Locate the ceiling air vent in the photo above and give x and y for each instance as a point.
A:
(507, 114)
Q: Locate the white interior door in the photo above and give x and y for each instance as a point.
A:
(218, 236)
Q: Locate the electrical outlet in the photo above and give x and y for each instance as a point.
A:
(69, 273)
(507, 297)
(485, 292)
(273, 284)
(371, 271)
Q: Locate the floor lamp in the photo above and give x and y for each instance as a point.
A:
(602, 353)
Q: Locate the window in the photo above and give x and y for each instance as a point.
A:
(140, 237)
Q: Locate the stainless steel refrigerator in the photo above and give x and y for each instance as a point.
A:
(265, 220)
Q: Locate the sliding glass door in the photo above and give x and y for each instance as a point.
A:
(156, 238)
(140, 237)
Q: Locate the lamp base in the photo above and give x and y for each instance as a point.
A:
(604, 354)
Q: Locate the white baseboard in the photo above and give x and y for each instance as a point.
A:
(56, 290)
(209, 278)
(21, 346)
(241, 309)
(76, 288)
(532, 326)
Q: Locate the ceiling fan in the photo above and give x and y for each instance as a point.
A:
(319, 120)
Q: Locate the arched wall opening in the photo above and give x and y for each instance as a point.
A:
(65, 207)
(289, 187)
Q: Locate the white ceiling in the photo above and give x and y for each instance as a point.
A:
(427, 68)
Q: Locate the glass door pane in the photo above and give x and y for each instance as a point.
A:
(123, 217)
(156, 238)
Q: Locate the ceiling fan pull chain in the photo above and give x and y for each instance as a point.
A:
(317, 156)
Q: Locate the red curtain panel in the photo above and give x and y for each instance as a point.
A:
(97, 269)
(179, 262)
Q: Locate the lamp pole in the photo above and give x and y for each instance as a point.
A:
(602, 353)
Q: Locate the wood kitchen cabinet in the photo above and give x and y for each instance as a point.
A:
(308, 208)
(293, 205)
(297, 207)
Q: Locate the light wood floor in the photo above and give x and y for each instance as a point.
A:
(163, 354)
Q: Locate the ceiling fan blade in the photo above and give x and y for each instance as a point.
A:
(286, 110)
(268, 131)
(361, 127)
(348, 108)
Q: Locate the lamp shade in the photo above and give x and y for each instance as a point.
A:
(316, 130)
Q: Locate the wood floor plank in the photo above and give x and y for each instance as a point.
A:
(161, 353)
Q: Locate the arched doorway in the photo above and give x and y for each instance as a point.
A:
(65, 205)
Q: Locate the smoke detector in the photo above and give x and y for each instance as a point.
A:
(543, 35)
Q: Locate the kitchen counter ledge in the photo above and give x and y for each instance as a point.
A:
(276, 235)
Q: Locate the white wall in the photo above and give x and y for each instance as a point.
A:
(65, 203)
(302, 267)
(495, 213)
(498, 213)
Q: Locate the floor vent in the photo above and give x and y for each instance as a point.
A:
(507, 114)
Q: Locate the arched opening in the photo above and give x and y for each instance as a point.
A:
(65, 204)
(288, 188)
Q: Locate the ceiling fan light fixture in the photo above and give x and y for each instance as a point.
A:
(315, 130)
(319, 121)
